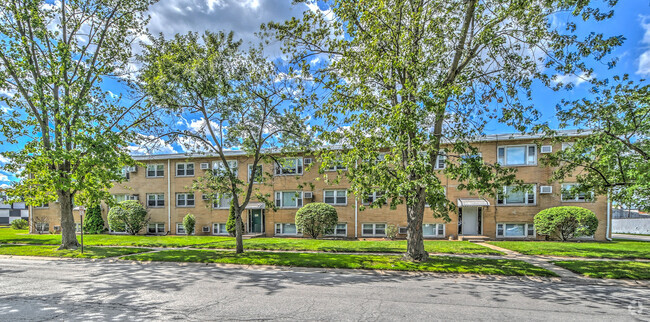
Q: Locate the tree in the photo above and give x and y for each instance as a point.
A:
(402, 77)
(54, 57)
(129, 216)
(566, 222)
(94, 223)
(189, 223)
(316, 218)
(613, 156)
(240, 100)
(231, 225)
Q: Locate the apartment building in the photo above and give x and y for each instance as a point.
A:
(162, 185)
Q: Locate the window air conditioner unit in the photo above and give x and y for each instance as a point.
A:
(546, 189)
(308, 161)
(546, 149)
(205, 166)
(308, 195)
(402, 230)
(135, 197)
(206, 229)
(133, 169)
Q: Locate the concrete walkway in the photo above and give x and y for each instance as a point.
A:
(631, 237)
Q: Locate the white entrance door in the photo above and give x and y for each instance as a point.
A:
(470, 221)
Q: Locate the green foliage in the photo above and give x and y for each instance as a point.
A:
(231, 225)
(94, 223)
(616, 154)
(77, 130)
(404, 77)
(316, 218)
(129, 215)
(20, 224)
(566, 222)
(391, 231)
(189, 223)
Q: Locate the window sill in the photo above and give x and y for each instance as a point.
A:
(519, 165)
(159, 207)
(186, 176)
(518, 205)
(177, 206)
(337, 204)
(161, 177)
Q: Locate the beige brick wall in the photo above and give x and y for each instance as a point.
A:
(206, 215)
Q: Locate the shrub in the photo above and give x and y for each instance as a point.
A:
(94, 223)
(231, 224)
(316, 218)
(566, 222)
(189, 222)
(129, 216)
(391, 231)
(19, 224)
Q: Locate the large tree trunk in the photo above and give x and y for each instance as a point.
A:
(68, 229)
(239, 231)
(415, 242)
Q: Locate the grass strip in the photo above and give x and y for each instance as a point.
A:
(608, 269)
(440, 264)
(51, 251)
(617, 249)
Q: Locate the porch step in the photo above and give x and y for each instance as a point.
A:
(474, 239)
(249, 236)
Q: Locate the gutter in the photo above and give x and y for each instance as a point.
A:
(169, 196)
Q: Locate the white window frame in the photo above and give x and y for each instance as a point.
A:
(126, 197)
(43, 206)
(222, 231)
(261, 174)
(216, 204)
(42, 226)
(155, 170)
(336, 166)
(526, 228)
(156, 225)
(218, 166)
(436, 230)
(374, 198)
(282, 233)
(567, 186)
(526, 202)
(339, 235)
(374, 230)
(185, 169)
(185, 199)
(298, 167)
(527, 162)
(158, 197)
(280, 204)
(336, 192)
(179, 228)
(440, 157)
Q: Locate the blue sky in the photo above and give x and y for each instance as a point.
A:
(631, 19)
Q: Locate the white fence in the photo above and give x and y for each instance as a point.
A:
(631, 226)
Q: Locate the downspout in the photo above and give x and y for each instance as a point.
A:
(356, 211)
(169, 197)
(608, 234)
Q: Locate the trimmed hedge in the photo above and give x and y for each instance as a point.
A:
(565, 223)
(316, 218)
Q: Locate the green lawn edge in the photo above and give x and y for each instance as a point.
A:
(51, 251)
(608, 269)
(617, 249)
(438, 264)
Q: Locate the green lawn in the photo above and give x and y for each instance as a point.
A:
(439, 264)
(383, 246)
(615, 249)
(51, 251)
(608, 269)
(10, 236)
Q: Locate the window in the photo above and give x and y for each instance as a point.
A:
(431, 230)
(219, 168)
(180, 229)
(42, 227)
(336, 165)
(440, 160)
(77, 227)
(184, 200)
(512, 196)
(259, 173)
(517, 155)
(339, 230)
(156, 228)
(288, 166)
(570, 195)
(155, 200)
(567, 145)
(219, 229)
(335, 197)
(373, 197)
(286, 229)
(373, 230)
(155, 171)
(288, 199)
(42, 206)
(515, 230)
(123, 197)
(222, 202)
(184, 169)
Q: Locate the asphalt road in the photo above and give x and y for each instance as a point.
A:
(35, 289)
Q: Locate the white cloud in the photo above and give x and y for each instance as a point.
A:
(5, 186)
(644, 58)
(4, 159)
(149, 144)
(573, 78)
(191, 145)
(3, 177)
